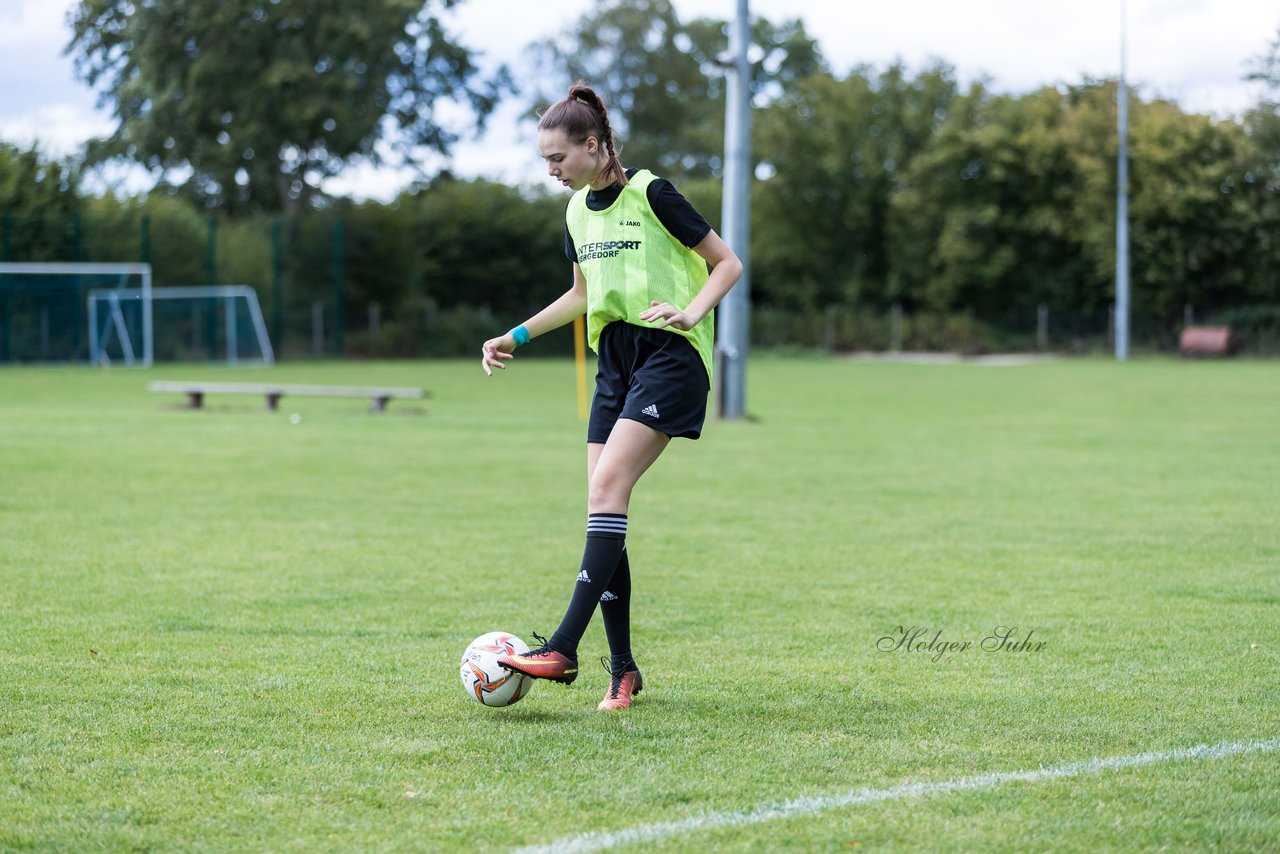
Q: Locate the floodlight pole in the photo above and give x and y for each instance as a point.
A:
(1122, 206)
(735, 311)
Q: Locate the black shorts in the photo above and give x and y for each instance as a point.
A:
(648, 375)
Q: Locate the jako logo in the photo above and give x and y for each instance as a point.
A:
(629, 222)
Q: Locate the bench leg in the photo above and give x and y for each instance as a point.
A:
(195, 399)
(379, 404)
(273, 401)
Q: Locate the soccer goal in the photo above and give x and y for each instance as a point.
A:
(108, 314)
(214, 322)
(43, 312)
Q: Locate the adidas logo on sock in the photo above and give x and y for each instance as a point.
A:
(651, 410)
(582, 576)
(607, 597)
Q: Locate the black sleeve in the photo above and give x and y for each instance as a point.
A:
(570, 251)
(676, 214)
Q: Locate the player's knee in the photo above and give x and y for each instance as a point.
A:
(608, 492)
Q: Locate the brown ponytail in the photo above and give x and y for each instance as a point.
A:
(581, 114)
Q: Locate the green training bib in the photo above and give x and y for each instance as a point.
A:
(629, 259)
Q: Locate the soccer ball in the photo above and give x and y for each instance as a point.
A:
(484, 679)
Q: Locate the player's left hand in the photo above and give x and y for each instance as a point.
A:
(669, 315)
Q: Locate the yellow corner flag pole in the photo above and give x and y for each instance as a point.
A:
(580, 364)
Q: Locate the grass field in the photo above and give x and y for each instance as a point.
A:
(222, 630)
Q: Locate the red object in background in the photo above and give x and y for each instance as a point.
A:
(1206, 341)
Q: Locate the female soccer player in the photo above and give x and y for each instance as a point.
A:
(640, 253)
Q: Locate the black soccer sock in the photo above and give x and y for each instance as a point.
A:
(606, 541)
(615, 610)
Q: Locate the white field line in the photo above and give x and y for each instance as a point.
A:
(602, 840)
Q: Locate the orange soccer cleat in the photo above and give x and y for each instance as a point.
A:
(542, 663)
(621, 686)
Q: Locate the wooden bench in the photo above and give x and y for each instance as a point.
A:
(196, 391)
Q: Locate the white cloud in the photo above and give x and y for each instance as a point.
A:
(60, 129)
(28, 21)
(1173, 45)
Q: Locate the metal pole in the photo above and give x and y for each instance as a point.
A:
(94, 357)
(77, 238)
(735, 311)
(76, 253)
(211, 278)
(1122, 206)
(233, 338)
(336, 262)
(277, 317)
(317, 328)
(148, 325)
(148, 319)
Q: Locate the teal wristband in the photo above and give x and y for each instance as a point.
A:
(520, 334)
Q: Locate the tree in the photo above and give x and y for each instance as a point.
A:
(516, 268)
(1197, 237)
(260, 100)
(839, 149)
(1014, 205)
(989, 218)
(39, 206)
(662, 80)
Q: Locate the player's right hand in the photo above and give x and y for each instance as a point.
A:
(495, 350)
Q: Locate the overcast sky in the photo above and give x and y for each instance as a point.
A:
(1194, 51)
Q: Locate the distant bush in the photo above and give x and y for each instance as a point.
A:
(1257, 327)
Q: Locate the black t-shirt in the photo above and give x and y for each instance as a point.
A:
(672, 209)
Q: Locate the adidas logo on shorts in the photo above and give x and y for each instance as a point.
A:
(651, 410)
(607, 597)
